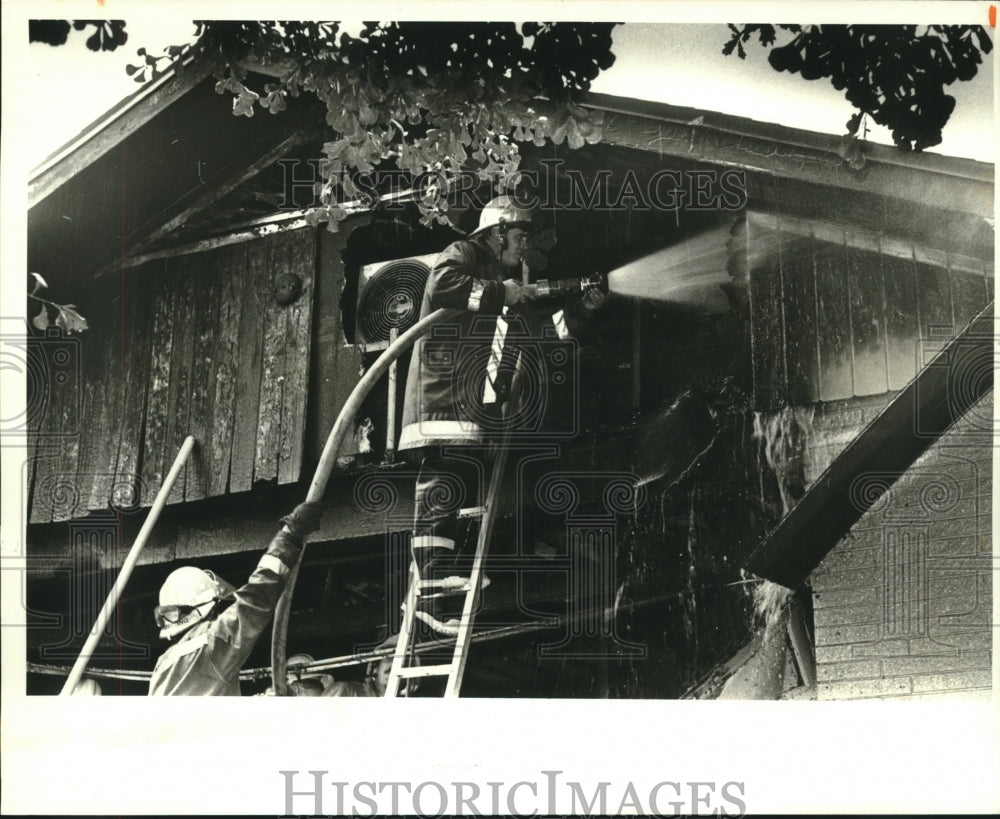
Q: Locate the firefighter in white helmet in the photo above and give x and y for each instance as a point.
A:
(448, 400)
(376, 677)
(214, 626)
(301, 681)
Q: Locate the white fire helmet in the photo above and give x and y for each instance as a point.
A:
(301, 681)
(188, 596)
(503, 211)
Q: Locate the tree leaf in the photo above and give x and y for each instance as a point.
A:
(41, 321)
(69, 319)
(53, 32)
(243, 104)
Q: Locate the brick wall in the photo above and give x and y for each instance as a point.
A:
(903, 604)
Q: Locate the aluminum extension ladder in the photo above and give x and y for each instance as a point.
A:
(402, 666)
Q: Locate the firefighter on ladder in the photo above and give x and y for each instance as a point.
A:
(214, 626)
(454, 386)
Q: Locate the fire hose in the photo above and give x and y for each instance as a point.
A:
(344, 423)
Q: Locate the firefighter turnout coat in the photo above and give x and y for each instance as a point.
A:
(443, 398)
(207, 658)
(448, 399)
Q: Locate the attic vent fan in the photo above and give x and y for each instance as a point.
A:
(389, 297)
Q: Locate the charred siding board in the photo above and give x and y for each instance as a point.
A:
(181, 365)
(867, 295)
(768, 341)
(280, 371)
(835, 343)
(60, 361)
(158, 388)
(104, 414)
(180, 354)
(272, 377)
(902, 329)
(136, 349)
(285, 361)
(250, 351)
(802, 325)
(338, 364)
(250, 380)
(934, 303)
(284, 357)
(206, 328)
(300, 256)
(969, 296)
(219, 441)
(849, 327)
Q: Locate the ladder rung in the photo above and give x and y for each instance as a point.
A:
(454, 584)
(427, 670)
(471, 512)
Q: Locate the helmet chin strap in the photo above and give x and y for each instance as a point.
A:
(502, 231)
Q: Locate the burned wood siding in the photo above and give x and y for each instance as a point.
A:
(839, 314)
(190, 345)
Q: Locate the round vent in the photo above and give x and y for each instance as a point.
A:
(391, 299)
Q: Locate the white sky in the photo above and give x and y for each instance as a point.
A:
(677, 64)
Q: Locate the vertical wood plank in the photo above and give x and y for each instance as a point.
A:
(767, 328)
(801, 322)
(230, 284)
(250, 365)
(72, 425)
(969, 297)
(272, 379)
(105, 424)
(181, 354)
(937, 322)
(867, 295)
(40, 407)
(208, 269)
(834, 338)
(140, 304)
(902, 326)
(34, 407)
(338, 364)
(98, 377)
(158, 392)
(298, 345)
(934, 299)
(59, 360)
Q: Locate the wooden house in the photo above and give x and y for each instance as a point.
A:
(218, 308)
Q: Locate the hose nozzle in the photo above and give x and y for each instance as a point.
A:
(565, 287)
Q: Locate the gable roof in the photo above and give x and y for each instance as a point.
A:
(174, 148)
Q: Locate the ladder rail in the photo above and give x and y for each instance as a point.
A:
(463, 641)
(403, 640)
(487, 513)
(325, 467)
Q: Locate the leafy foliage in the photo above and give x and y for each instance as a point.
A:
(894, 74)
(434, 99)
(107, 35)
(66, 316)
(429, 99)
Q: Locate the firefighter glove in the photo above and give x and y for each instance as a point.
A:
(303, 519)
